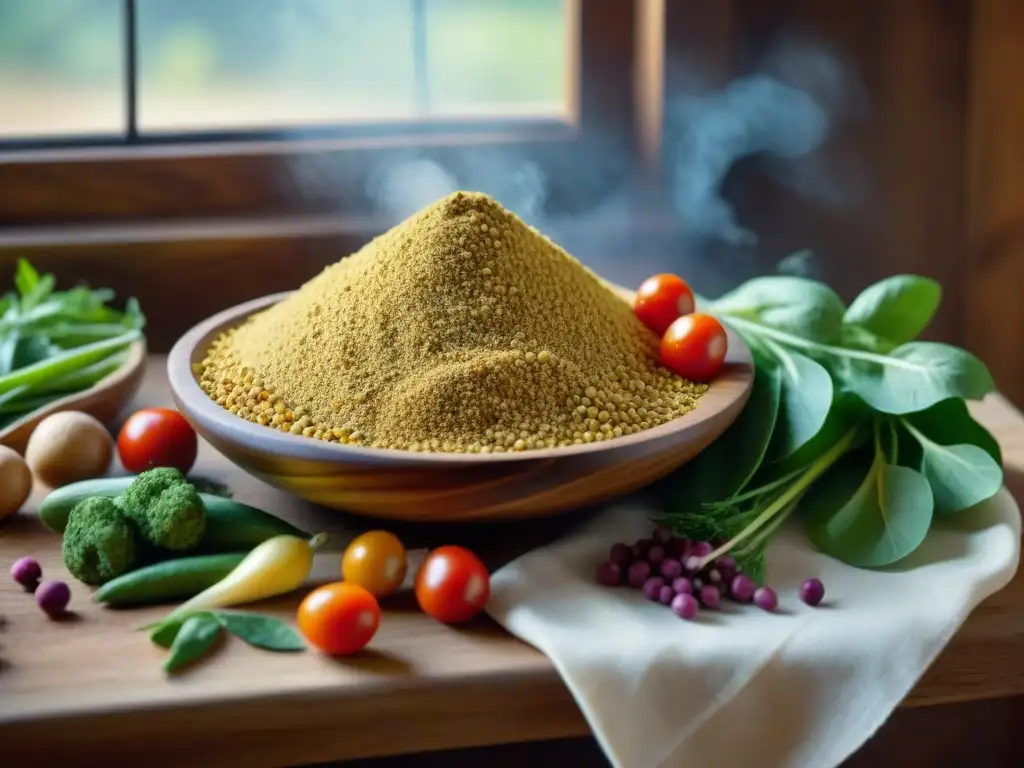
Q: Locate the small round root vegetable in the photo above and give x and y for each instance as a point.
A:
(710, 597)
(812, 592)
(67, 447)
(53, 598)
(652, 588)
(766, 599)
(671, 568)
(666, 594)
(655, 554)
(742, 588)
(15, 481)
(27, 572)
(638, 573)
(726, 566)
(621, 554)
(682, 585)
(609, 574)
(684, 606)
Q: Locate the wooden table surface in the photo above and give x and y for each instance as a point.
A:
(92, 686)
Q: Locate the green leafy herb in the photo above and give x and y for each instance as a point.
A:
(727, 465)
(867, 511)
(194, 640)
(57, 342)
(264, 632)
(868, 439)
(960, 475)
(897, 309)
(190, 636)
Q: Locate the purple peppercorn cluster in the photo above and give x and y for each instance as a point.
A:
(667, 569)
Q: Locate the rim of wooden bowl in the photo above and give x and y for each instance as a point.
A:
(733, 384)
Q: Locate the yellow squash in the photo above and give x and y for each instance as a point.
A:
(277, 566)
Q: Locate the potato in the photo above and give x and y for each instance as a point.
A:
(15, 481)
(67, 447)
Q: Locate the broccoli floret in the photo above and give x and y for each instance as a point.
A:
(99, 542)
(166, 508)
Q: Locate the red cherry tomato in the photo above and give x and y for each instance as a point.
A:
(453, 585)
(157, 437)
(694, 346)
(339, 618)
(660, 300)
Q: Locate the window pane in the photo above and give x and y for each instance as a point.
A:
(497, 56)
(61, 65)
(220, 64)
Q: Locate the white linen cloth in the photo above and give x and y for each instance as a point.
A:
(740, 686)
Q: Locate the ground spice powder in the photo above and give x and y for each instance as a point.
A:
(461, 329)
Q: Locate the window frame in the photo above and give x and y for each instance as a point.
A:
(224, 175)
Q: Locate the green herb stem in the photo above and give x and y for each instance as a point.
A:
(788, 497)
(66, 362)
(759, 491)
(758, 329)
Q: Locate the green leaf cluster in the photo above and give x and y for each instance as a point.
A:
(55, 343)
(191, 637)
(852, 422)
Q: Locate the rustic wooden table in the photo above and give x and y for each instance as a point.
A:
(93, 687)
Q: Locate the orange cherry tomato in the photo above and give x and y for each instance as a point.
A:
(376, 561)
(694, 346)
(453, 585)
(660, 300)
(339, 618)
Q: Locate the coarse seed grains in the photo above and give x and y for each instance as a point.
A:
(462, 329)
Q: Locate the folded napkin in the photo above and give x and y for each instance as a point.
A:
(800, 687)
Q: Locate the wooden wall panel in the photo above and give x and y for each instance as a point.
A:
(995, 253)
(895, 162)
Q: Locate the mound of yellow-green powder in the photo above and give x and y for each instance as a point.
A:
(461, 329)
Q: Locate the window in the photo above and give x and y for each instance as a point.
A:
(149, 69)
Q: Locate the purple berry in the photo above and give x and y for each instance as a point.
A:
(53, 597)
(710, 597)
(726, 565)
(27, 572)
(682, 586)
(652, 587)
(684, 606)
(701, 549)
(812, 592)
(765, 598)
(742, 588)
(662, 535)
(641, 547)
(609, 574)
(638, 573)
(621, 554)
(666, 594)
(678, 547)
(655, 554)
(671, 568)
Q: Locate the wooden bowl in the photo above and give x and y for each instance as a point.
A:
(443, 487)
(104, 400)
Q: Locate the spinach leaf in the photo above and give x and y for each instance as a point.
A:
(806, 398)
(266, 632)
(846, 412)
(898, 308)
(163, 634)
(867, 512)
(196, 637)
(949, 422)
(795, 305)
(726, 466)
(912, 377)
(960, 475)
